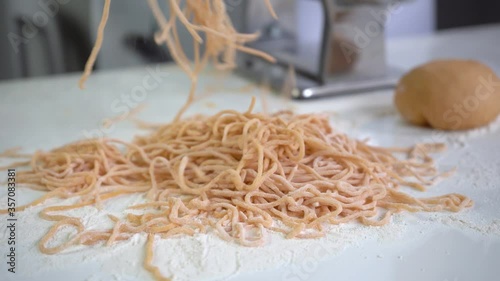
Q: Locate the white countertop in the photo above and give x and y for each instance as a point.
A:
(44, 113)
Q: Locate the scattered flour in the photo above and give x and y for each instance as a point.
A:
(461, 138)
(206, 256)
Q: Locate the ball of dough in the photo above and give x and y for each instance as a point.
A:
(449, 95)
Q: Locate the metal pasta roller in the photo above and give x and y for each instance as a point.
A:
(334, 46)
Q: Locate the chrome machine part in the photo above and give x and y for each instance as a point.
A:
(335, 46)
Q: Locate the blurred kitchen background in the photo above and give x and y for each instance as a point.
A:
(46, 37)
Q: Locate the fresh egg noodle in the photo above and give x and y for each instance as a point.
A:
(238, 174)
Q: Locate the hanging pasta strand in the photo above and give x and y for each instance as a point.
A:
(97, 46)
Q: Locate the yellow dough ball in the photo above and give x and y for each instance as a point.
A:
(449, 95)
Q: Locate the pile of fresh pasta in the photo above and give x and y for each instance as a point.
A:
(238, 174)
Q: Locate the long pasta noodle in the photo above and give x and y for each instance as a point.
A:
(98, 44)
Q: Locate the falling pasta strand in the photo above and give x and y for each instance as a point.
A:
(271, 9)
(98, 44)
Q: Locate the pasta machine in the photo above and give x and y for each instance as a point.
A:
(334, 46)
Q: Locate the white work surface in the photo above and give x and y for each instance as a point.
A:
(45, 113)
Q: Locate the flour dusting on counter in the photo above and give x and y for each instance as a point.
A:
(201, 257)
(461, 138)
(206, 256)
